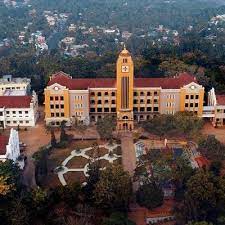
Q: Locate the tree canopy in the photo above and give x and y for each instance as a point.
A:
(114, 189)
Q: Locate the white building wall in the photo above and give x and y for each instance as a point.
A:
(12, 148)
(24, 117)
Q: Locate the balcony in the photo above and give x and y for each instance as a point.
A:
(208, 112)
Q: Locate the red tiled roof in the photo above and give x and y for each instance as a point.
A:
(15, 101)
(3, 142)
(201, 161)
(220, 99)
(166, 83)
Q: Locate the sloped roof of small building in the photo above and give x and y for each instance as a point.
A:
(15, 101)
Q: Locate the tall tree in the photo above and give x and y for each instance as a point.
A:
(114, 189)
(106, 126)
(150, 195)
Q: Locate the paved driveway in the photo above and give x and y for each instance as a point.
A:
(128, 152)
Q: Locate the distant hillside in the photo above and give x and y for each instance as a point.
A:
(131, 14)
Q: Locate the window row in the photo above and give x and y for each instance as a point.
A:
(57, 114)
(191, 105)
(78, 97)
(142, 101)
(57, 106)
(171, 96)
(16, 122)
(148, 109)
(170, 104)
(79, 113)
(192, 97)
(56, 98)
(106, 110)
(15, 112)
(14, 88)
(105, 102)
(105, 94)
(146, 93)
(221, 110)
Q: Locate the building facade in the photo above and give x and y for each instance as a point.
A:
(18, 110)
(127, 98)
(9, 85)
(215, 110)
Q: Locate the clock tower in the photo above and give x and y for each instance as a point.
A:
(125, 82)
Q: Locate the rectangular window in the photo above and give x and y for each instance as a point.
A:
(142, 109)
(149, 109)
(99, 110)
(196, 105)
(125, 60)
(61, 98)
(106, 109)
(191, 105)
(186, 105)
(113, 109)
(57, 114)
(52, 106)
(1, 113)
(62, 106)
(62, 114)
(192, 96)
(26, 112)
(52, 114)
(156, 109)
(51, 98)
(196, 97)
(57, 106)
(92, 109)
(20, 112)
(187, 97)
(56, 98)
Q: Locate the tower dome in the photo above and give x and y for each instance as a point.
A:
(125, 52)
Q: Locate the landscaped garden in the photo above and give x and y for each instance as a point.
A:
(75, 165)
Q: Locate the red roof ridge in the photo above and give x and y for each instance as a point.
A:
(83, 83)
(15, 101)
(220, 99)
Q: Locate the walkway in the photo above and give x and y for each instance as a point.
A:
(82, 153)
(128, 152)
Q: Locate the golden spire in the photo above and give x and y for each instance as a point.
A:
(124, 51)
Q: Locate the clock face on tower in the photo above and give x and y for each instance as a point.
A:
(125, 69)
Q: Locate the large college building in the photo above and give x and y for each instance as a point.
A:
(127, 98)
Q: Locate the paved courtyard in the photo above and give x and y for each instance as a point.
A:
(208, 129)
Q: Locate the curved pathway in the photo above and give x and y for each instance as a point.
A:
(82, 153)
